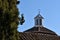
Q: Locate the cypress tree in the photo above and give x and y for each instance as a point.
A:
(9, 20)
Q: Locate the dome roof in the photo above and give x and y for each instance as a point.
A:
(40, 29)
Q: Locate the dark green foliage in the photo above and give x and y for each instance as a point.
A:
(9, 20)
(22, 19)
(18, 2)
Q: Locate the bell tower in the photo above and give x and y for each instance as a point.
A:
(38, 19)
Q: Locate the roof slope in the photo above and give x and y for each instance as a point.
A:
(37, 36)
(41, 30)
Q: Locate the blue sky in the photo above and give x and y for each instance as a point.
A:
(50, 10)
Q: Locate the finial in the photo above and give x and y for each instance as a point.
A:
(39, 11)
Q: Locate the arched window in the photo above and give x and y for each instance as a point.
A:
(40, 21)
(37, 22)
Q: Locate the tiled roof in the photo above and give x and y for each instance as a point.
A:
(41, 30)
(37, 36)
